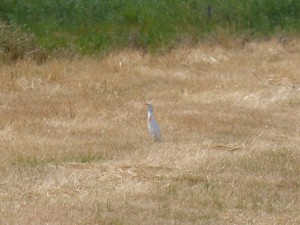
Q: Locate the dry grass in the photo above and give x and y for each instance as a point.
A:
(75, 147)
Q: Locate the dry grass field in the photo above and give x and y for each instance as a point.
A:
(75, 149)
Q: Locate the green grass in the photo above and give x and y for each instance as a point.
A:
(91, 26)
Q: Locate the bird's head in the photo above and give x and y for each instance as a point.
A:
(150, 107)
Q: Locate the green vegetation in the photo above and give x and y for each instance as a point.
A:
(90, 26)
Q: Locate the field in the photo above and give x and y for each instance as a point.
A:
(75, 148)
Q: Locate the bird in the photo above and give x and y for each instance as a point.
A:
(152, 124)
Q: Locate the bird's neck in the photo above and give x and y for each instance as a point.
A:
(150, 114)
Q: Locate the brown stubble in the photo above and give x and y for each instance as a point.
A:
(75, 147)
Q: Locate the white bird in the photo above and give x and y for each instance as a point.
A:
(152, 124)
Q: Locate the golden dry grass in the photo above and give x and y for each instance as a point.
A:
(75, 147)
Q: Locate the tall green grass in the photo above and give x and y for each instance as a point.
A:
(89, 26)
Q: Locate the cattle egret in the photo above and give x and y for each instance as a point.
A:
(152, 124)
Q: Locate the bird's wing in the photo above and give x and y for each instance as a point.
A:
(155, 129)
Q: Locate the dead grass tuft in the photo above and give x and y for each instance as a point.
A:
(17, 45)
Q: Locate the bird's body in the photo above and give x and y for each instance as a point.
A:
(153, 125)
